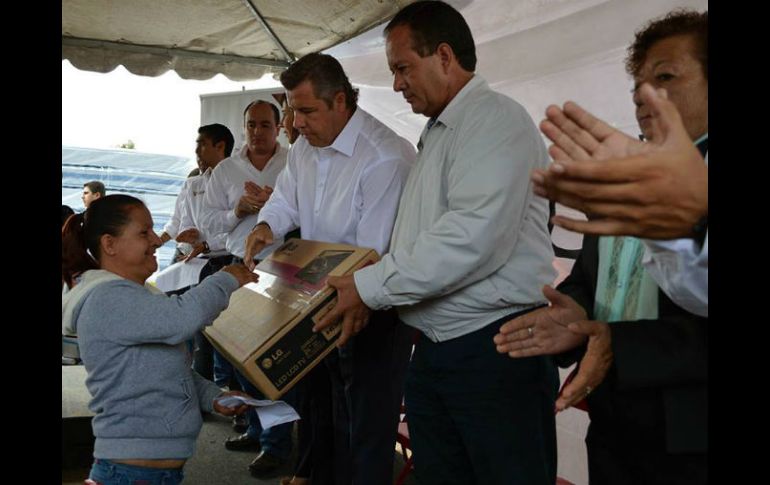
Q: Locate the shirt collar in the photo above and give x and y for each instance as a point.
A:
(345, 142)
(454, 112)
(244, 154)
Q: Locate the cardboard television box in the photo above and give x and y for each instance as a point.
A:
(266, 331)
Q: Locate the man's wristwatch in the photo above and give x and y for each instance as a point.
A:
(206, 248)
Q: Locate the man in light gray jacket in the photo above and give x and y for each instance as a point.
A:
(470, 250)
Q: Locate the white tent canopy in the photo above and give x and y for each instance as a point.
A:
(242, 39)
(538, 52)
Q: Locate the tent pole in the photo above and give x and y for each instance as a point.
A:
(269, 31)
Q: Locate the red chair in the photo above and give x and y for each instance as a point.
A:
(402, 438)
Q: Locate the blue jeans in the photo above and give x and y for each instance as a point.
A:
(223, 369)
(107, 472)
(276, 440)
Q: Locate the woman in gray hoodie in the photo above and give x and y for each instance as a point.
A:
(135, 343)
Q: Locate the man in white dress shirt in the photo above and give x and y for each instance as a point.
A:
(236, 190)
(214, 144)
(342, 184)
(241, 184)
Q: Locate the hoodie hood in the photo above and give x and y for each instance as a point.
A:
(70, 300)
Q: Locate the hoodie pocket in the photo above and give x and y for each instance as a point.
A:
(181, 406)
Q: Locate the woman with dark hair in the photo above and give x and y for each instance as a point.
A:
(66, 212)
(135, 343)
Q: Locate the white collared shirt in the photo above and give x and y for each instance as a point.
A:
(193, 202)
(681, 269)
(226, 186)
(347, 192)
(471, 243)
(172, 226)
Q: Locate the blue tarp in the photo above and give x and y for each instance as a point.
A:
(156, 179)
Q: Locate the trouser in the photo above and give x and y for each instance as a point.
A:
(480, 417)
(367, 376)
(275, 440)
(617, 465)
(214, 265)
(315, 431)
(203, 358)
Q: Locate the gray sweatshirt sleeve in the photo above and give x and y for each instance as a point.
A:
(207, 391)
(130, 314)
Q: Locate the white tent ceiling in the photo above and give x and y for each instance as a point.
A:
(538, 52)
(242, 39)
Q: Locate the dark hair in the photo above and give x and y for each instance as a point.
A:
(66, 211)
(81, 234)
(677, 22)
(217, 132)
(326, 75)
(432, 23)
(96, 187)
(276, 112)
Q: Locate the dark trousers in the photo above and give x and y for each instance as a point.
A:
(277, 439)
(616, 458)
(315, 431)
(367, 376)
(214, 265)
(478, 417)
(203, 357)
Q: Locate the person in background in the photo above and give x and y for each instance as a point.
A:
(642, 359)
(659, 191)
(66, 212)
(241, 184)
(171, 228)
(91, 191)
(287, 121)
(135, 343)
(645, 189)
(213, 144)
(235, 192)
